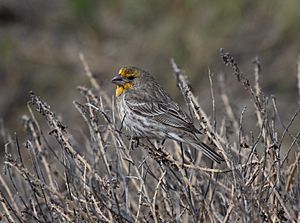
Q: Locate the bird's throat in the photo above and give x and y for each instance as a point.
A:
(122, 88)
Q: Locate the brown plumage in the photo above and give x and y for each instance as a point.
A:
(147, 110)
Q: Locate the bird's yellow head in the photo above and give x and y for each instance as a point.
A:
(126, 79)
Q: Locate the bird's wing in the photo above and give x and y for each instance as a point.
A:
(167, 113)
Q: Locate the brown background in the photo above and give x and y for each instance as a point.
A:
(40, 42)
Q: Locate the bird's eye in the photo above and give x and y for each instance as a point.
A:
(130, 77)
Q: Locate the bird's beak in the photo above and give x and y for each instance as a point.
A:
(118, 80)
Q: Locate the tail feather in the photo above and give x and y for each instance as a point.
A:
(195, 142)
(208, 151)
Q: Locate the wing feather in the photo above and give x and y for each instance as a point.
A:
(167, 113)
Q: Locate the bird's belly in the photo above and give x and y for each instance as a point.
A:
(142, 126)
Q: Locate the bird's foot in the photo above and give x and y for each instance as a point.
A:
(161, 143)
(134, 142)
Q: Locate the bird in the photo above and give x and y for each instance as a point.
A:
(147, 111)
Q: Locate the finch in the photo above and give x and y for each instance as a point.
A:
(147, 111)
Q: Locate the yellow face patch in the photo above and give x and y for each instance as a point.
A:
(121, 89)
(129, 72)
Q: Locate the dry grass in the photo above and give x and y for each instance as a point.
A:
(113, 178)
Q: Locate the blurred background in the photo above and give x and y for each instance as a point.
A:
(40, 42)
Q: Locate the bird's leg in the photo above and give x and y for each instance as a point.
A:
(161, 143)
(134, 142)
(137, 141)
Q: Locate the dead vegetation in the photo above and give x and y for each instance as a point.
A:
(112, 178)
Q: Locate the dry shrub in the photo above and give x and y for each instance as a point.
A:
(112, 177)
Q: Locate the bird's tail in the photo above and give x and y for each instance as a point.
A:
(208, 151)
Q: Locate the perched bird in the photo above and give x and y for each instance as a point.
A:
(147, 110)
